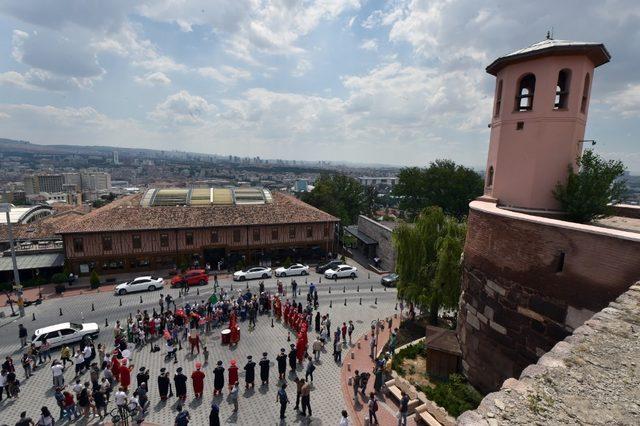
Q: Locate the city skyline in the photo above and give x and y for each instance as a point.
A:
(399, 83)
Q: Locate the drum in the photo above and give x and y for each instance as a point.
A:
(225, 336)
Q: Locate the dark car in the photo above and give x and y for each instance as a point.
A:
(330, 265)
(389, 280)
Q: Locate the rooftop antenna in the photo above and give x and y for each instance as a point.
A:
(550, 34)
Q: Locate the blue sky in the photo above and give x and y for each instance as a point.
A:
(394, 82)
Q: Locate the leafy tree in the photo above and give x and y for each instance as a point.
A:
(444, 183)
(370, 201)
(94, 280)
(589, 193)
(59, 278)
(428, 260)
(339, 195)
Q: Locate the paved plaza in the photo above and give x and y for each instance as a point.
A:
(256, 407)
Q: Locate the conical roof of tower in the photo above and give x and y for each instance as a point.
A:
(595, 51)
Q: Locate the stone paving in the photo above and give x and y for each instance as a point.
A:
(255, 407)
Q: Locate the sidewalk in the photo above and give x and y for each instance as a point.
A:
(387, 409)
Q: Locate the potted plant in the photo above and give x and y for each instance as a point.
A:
(94, 280)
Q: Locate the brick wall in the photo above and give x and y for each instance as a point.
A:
(527, 284)
(383, 235)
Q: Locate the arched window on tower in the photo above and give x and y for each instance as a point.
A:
(490, 177)
(524, 96)
(562, 89)
(498, 99)
(585, 94)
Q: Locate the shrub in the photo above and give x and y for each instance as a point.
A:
(343, 259)
(94, 279)
(287, 262)
(455, 395)
(410, 352)
(59, 278)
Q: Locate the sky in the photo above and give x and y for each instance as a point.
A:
(387, 82)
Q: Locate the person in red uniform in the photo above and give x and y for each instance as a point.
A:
(235, 330)
(115, 365)
(198, 381)
(125, 374)
(233, 373)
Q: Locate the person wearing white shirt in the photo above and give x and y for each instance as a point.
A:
(79, 360)
(344, 421)
(58, 377)
(121, 400)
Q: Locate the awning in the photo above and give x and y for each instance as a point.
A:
(32, 261)
(365, 239)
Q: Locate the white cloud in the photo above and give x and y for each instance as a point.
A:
(225, 74)
(153, 79)
(625, 102)
(182, 108)
(302, 67)
(369, 44)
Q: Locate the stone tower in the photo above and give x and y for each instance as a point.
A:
(538, 120)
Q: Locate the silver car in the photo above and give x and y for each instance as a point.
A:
(65, 333)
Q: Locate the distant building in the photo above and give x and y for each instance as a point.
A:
(34, 184)
(116, 159)
(375, 239)
(96, 181)
(301, 185)
(390, 181)
(163, 228)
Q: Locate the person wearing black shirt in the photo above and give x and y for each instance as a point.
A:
(282, 364)
(218, 379)
(142, 376)
(180, 381)
(249, 372)
(292, 358)
(164, 384)
(264, 369)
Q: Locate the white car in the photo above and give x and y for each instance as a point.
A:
(252, 273)
(342, 271)
(147, 283)
(295, 269)
(65, 333)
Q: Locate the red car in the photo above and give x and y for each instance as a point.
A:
(192, 277)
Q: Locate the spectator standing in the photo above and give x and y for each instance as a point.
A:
(344, 420)
(306, 398)
(183, 418)
(214, 415)
(234, 396)
(404, 409)
(24, 420)
(22, 335)
(58, 374)
(373, 409)
(309, 370)
(283, 399)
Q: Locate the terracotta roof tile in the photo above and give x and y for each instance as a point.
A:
(127, 214)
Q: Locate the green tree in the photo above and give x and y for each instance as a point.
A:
(370, 202)
(589, 193)
(444, 183)
(339, 195)
(94, 279)
(429, 254)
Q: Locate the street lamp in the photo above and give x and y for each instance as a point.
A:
(6, 209)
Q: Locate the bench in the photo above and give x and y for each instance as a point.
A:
(425, 417)
(395, 388)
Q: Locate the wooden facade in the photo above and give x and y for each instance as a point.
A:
(165, 248)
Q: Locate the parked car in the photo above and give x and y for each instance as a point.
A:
(342, 271)
(252, 273)
(295, 269)
(329, 265)
(147, 283)
(65, 333)
(192, 277)
(389, 280)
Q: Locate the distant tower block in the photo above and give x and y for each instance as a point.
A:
(116, 160)
(539, 117)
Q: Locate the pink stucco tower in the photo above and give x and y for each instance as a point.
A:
(538, 120)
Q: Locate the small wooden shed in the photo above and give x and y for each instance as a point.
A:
(444, 355)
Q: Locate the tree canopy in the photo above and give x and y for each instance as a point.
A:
(428, 262)
(340, 195)
(589, 193)
(444, 183)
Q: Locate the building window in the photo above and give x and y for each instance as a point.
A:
(562, 90)
(136, 242)
(274, 233)
(524, 96)
(78, 245)
(496, 112)
(325, 230)
(188, 238)
(236, 235)
(164, 240)
(585, 95)
(520, 125)
(560, 264)
(490, 177)
(214, 236)
(107, 243)
(292, 232)
(309, 232)
(256, 234)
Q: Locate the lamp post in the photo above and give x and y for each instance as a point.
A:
(6, 209)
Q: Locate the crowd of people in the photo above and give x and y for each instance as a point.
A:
(104, 375)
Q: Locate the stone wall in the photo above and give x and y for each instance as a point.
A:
(591, 377)
(383, 235)
(528, 282)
